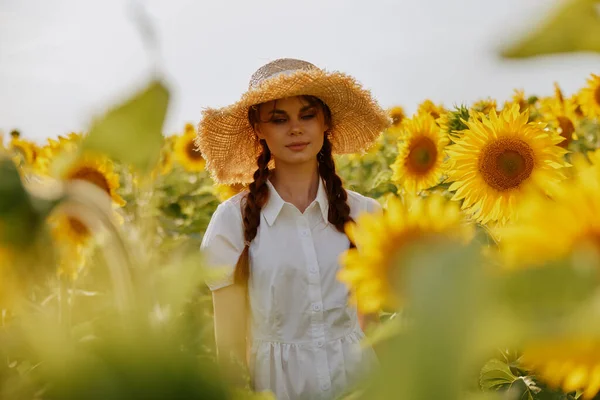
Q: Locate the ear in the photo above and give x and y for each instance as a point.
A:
(258, 132)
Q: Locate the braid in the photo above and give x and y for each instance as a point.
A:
(255, 200)
(339, 210)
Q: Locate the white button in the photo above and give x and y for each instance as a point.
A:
(325, 386)
(304, 233)
(313, 270)
(320, 343)
(317, 306)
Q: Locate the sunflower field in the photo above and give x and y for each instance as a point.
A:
(484, 266)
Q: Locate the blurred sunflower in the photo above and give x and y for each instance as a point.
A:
(430, 108)
(398, 115)
(69, 244)
(97, 170)
(92, 168)
(518, 98)
(25, 152)
(420, 160)
(485, 106)
(382, 239)
(54, 148)
(571, 364)
(589, 97)
(561, 115)
(551, 228)
(165, 162)
(186, 152)
(224, 192)
(498, 158)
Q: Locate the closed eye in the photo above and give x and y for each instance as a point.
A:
(309, 116)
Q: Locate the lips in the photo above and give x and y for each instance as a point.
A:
(297, 146)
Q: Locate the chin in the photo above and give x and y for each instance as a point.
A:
(297, 159)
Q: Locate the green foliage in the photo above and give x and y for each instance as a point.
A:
(457, 119)
(132, 132)
(573, 27)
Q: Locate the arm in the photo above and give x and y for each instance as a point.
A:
(221, 247)
(230, 320)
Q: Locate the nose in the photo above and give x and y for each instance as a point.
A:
(295, 128)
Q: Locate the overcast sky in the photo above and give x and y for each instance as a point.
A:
(64, 61)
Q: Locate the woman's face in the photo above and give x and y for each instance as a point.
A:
(293, 129)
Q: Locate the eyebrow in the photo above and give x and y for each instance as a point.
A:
(305, 108)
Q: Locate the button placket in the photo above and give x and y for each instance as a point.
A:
(316, 305)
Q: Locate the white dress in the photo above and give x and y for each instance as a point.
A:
(305, 336)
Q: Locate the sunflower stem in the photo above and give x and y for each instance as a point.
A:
(88, 205)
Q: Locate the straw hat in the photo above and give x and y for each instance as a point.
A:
(230, 146)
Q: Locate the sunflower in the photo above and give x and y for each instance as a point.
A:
(519, 98)
(165, 163)
(498, 158)
(560, 113)
(224, 192)
(589, 97)
(452, 122)
(550, 229)
(430, 108)
(97, 170)
(92, 168)
(382, 239)
(69, 236)
(571, 364)
(420, 160)
(186, 152)
(485, 106)
(53, 149)
(398, 115)
(25, 152)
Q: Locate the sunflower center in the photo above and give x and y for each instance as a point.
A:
(566, 130)
(192, 152)
(597, 95)
(422, 155)
(505, 163)
(92, 176)
(397, 118)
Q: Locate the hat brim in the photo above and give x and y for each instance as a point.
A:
(230, 146)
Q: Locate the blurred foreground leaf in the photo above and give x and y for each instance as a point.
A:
(574, 27)
(446, 297)
(132, 132)
(21, 214)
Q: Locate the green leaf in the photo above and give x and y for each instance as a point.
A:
(132, 132)
(495, 375)
(574, 27)
(21, 215)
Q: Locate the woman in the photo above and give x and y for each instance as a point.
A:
(279, 241)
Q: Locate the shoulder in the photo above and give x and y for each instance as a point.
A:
(226, 219)
(232, 207)
(359, 203)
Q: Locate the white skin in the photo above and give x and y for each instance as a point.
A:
(283, 123)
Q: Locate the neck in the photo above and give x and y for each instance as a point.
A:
(297, 184)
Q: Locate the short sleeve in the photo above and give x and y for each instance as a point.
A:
(372, 205)
(222, 245)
